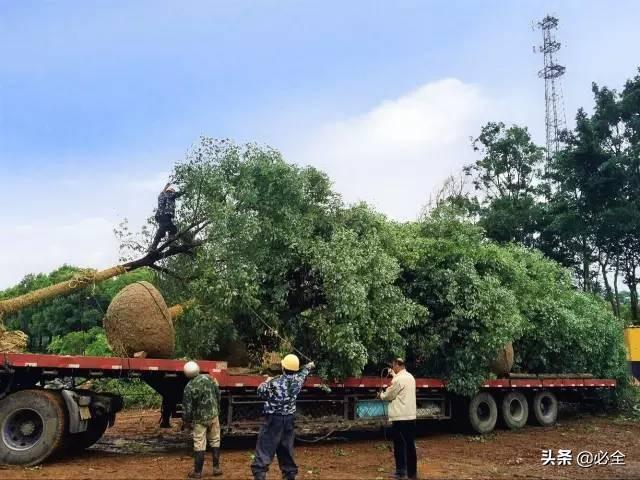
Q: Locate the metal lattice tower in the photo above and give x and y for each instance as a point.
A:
(555, 118)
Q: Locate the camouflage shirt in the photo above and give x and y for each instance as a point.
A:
(280, 393)
(201, 400)
(167, 203)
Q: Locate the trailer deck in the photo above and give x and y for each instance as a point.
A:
(52, 366)
(27, 399)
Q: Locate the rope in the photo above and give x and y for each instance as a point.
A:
(275, 332)
(383, 372)
(82, 279)
(157, 304)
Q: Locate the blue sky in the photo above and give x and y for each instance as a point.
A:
(98, 99)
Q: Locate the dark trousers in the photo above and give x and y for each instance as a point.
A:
(275, 438)
(404, 448)
(165, 225)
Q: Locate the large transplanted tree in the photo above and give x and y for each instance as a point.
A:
(284, 264)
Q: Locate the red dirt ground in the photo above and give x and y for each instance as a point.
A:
(137, 448)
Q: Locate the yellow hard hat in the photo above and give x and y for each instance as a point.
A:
(291, 362)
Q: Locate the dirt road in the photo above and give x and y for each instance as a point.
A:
(137, 448)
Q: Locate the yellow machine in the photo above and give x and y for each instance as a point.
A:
(632, 339)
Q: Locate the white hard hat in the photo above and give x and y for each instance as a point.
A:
(191, 369)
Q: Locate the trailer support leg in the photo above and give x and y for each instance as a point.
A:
(167, 409)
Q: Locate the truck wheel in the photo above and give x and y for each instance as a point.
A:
(483, 412)
(544, 409)
(76, 442)
(515, 410)
(32, 426)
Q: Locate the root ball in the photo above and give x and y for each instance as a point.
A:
(138, 320)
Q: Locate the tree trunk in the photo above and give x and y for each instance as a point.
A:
(615, 286)
(632, 282)
(607, 286)
(77, 282)
(585, 267)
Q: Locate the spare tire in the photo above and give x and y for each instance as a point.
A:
(32, 426)
(483, 412)
(544, 409)
(515, 410)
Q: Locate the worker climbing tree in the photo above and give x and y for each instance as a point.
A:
(165, 215)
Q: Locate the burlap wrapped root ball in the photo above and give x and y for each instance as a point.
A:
(503, 363)
(138, 320)
(13, 341)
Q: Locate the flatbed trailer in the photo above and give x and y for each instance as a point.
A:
(41, 416)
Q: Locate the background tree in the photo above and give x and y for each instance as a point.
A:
(596, 196)
(507, 179)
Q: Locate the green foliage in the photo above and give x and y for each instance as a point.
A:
(93, 342)
(283, 254)
(506, 175)
(78, 312)
(135, 392)
(481, 295)
(629, 402)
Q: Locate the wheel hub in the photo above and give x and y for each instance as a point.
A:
(27, 428)
(484, 411)
(22, 429)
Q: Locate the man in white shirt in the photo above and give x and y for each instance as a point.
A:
(401, 395)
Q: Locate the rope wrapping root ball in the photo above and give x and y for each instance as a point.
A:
(13, 341)
(138, 320)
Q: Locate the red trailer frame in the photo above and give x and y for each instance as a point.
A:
(322, 406)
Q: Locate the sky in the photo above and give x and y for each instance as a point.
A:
(99, 99)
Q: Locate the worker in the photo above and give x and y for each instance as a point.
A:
(402, 412)
(277, 433)
(165, 213)
(200, 410)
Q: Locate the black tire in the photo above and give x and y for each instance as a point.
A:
(543, 410)
(32, 426)
(483, 413)
(515, 410)
(77, 442)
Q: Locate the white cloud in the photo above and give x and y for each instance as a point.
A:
(398, 153)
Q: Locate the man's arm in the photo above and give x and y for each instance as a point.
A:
(186, 404)
(306, 370)
(392, 391)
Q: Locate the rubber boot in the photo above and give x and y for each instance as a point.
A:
(198, 463)
(215, 453)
